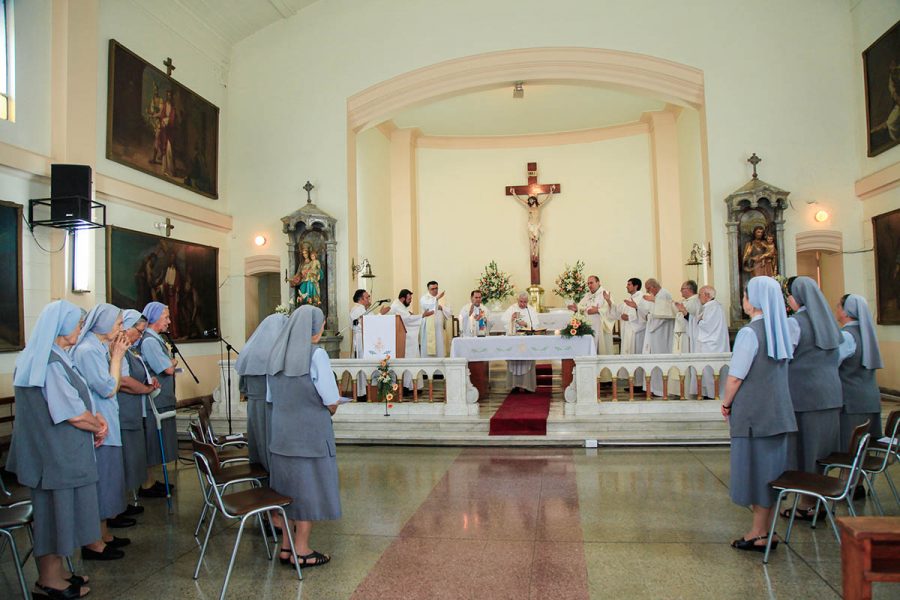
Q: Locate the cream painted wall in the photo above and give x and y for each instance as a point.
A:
(466, 220)
(773, 100)
(690, 179)
(373, 180)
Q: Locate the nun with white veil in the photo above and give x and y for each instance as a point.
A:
(860, 358)
(251, 368)
(757, 404)
(98, 354)
(303, 462)
(52, 447)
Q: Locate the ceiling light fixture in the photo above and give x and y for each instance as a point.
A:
(519, 89)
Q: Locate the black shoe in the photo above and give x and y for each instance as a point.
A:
(131, 510)
(162, 486)
(118, 542)
(363, 398)
(120, 522)
(859, 493)
(151, 492)
(109, 553)
(751, 545)
(70, 593)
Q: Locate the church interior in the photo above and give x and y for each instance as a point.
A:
(379, 163)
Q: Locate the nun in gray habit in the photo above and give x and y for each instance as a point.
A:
(251, 368)
(860, 358)
(133, 390)
(52, 448)
(757, 404)
(814, 382)
(303, 464)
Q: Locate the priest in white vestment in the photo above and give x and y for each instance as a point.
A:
(361, 303)
(431, 335)
(688, 310)
(412, 322)
(598, 306)
(521, 374)
(712, 334)
(632, 314)
(474, 318)
(660, 335)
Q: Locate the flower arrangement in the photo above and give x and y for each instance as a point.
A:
(385, 383)
(494, 284)
(578, 325)
(782, 281)
(571, 283)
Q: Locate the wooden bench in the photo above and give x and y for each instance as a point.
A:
(870, 552)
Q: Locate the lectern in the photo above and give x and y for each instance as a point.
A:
(383, 335)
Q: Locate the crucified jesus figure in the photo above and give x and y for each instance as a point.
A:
(533, 205)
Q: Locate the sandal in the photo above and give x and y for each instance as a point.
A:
(313, 559)
(78, 579)
(802, 514)
(70, 593)
(751, 545)
(285, 560)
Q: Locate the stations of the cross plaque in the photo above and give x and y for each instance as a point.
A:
(529, 196)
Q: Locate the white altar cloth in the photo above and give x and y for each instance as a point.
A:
(551, 321)
(522, 347)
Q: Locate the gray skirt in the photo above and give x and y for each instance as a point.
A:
(111, 485)
(818, 435)
(170, 439)
(257, 438)
(311, 482)
(65, 520)
(134, 453)
(850, 421)
(267, 454)
(755, 461)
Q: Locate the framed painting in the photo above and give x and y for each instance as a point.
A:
(881, 68)
(158, 126)
(141, 268)
(12, 326)
(886, 236)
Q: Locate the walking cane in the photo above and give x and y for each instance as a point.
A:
(160, 417)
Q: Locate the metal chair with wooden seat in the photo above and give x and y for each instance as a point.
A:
(243, 505)
(822, 487)
(219, 441)
(872, 465)
(892, 427)
(225, 474)
(11, 519)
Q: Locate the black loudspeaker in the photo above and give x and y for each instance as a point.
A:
(70, 192)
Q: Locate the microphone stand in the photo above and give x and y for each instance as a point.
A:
(228, 350)
(175, 351)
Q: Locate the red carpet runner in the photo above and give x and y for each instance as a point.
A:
(522, 414)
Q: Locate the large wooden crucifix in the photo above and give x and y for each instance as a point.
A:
(529, 196)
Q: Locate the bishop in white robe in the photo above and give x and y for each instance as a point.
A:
(712, 334)
(431, 335)
(474, 318)
(518, 317)
(412, 322)
(598, 306)
(660, 335)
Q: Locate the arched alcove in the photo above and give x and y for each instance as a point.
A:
(820, 256)
(262, 288)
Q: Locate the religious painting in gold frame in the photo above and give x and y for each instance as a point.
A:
(158, 126)
(886, 240)
(881, 69)
(141, 268)
(12, 326)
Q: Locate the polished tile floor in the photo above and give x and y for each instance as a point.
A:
(485, 523)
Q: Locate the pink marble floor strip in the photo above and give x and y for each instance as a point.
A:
(501, 523)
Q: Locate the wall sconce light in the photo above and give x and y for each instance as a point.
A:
(260, 240)
(363, 269)
(519, 90)
(822, 216)
(700, 256)
(81, 261)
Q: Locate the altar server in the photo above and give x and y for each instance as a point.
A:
(860, 357)
(814, 381)
(712, 334)
(474, 318)
(251, 369)
(132, 396)
(412, 322)
(303, 463)
(757, 403)
(659, 338)
(431, 338)
(52, 448)
(156, 356)
(521, 374)
(98, 354)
